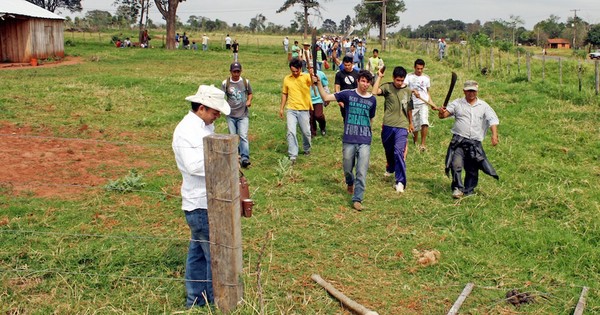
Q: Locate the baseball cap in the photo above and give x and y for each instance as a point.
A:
(470, 85)
(236, 66)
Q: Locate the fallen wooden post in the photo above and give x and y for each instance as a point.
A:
(581, 302)
(346, 301)
(461, 298)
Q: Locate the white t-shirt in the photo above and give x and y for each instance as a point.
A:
(421, 84)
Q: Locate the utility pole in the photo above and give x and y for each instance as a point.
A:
(574, 25)
(383, 20)
(383, 24)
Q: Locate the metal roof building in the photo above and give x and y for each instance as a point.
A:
(28, 31)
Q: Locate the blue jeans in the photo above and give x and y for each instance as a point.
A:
(198, 275)
(301, 118)
(239, 126)
(356, 155)
(394, 143)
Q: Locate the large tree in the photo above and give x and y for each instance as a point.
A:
(306, 6)
(514, 22)
(168, 9)
(345, 24)
(593, 36)
(329, 26)
(369, 13)
(257, 24)
(98, 19)
(131, 9)
(52, 5)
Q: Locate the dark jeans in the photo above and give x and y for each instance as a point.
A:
(317, 115)
(198, 274)
(394, 144)
(462, 160)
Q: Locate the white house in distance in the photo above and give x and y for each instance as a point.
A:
(28, 31)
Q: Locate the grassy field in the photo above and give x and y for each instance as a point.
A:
(102, 252)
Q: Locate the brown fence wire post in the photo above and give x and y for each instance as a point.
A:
(579, 72)
(543, 68)
(528, 67)
(560, 71)
(518, 61)
(597, 76)
(224, 217)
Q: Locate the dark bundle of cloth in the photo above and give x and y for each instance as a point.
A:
(472, 149)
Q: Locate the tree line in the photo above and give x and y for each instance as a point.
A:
(368, 15)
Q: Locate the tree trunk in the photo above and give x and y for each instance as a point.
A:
(170, 15)
(141, 26)
(305, 21)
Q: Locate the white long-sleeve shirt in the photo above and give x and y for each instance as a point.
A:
(188, 146)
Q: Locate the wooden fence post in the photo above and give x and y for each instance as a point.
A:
(528, 67)
(492, 59)
(518, 61)
(468, 58)
(543, 68)
(579, 71)
(560, 71)
(224, 217)
(597, 76)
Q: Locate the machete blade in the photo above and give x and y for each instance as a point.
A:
(452, 83)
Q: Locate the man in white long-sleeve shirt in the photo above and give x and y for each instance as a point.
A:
(207, 105)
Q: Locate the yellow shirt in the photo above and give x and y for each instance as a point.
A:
(298, 91)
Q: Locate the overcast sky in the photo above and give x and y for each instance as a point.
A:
(418, 12)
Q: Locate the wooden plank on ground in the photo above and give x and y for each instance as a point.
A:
(461, 298)
(346, 301)
(581, 302)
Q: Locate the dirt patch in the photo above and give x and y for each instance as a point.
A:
(43, 64)
(37, 163)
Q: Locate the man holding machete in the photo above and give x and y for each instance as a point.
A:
(473, 117)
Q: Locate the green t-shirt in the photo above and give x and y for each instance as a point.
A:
(396, 106)
(295, 51)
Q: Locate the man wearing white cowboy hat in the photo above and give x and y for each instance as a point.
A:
(188, 145)
(472, 118)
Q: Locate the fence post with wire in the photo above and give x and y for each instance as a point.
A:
(224, 217)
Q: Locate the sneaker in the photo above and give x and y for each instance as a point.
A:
(307, 153)
(357, 206)
(387, 174)
(350, 189)
(323, 133)
(457, 193)
(245, 163)
(399, 187)
(292, 160)
(422, 148)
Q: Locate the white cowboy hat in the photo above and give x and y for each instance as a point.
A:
(212, 97)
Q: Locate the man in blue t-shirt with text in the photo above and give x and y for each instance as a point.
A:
(360, 108)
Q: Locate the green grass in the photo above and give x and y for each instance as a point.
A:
(537, 229)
